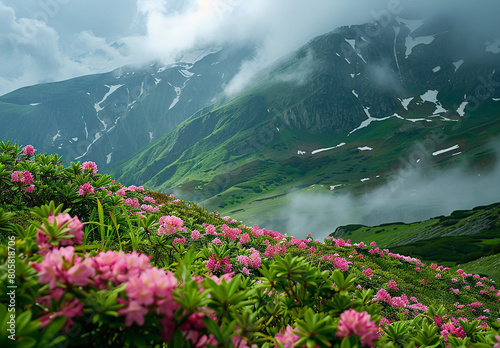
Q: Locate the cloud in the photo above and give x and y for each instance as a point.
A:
(413, 194)
(74, 37)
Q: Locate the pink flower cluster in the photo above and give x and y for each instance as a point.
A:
(85, 189)
(132, 202)
(230, 233)
(22, 177)
(149, 199)
(215, 263)
(277, 249)
(338, 262)
(358, 324)
(89, 167)
(392, 285)
(170, 224)
(72, 225)
(253, 260)
(29, 150)
(151, 291)
(287, 337)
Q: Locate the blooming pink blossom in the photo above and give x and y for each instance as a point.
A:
(29, 189)
(392, 285)
(70, 309)
(85, 189)
(287, 337)
(73, 225)
(149, 199)
(341, 263)
(368, 272)
(210, 230)
(134, 312)
(170, 224)
(359, 324)
(195, 234)
(245, 238)
(121, 192)
(29, 150)
(89, 167)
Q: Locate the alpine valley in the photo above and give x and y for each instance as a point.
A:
(342, 115)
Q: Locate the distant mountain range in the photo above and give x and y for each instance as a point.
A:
(109, 117)
(344, 112)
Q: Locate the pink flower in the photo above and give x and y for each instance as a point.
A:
(147, 208)
(497, 345)
(392, 285)
(195, 234)
(29, 150)
(71, 309)
(170, 224)
(368, 272)
(341, 263)
(245, 238)
(287, 337)
(210, 229)
(89, 167)
(359, 324)
(373, 243)
(121, 192)
(73, 225)
(29, 189)
(134, 312)
(217, 241)
(149, 199)
(85, 189)
(179, 240)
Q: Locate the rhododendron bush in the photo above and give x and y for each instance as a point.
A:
(100, 264)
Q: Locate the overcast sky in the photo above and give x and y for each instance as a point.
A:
(51, 40)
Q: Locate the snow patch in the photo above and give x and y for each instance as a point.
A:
(186, 73)
(333, 187)
(411, 24)
(150, 136)
(328, 148)
(74, 139)
(108, 158)
(457, 153)
(35, 104)
(406, 102)
(56, 136)
(461, 108)
(493, 47)
(352, 75)
(495, 99)
(454, 147)
(458, 64)
(355, 94)
(364, 179)
(157, 81)
(300, 152)
(436, 69)
(112, 89)
(365, 148)
(431, 96)
(411, 42)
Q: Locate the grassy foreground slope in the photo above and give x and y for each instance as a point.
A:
(123, 266)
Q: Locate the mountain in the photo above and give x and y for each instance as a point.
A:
(108, 117)
(461, 237)
(346, 111)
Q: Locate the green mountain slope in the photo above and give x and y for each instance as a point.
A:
(337, 126)
(461, 237)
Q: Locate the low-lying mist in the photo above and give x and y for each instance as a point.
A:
(414, 194)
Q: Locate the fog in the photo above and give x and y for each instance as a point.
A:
(49, 40)
(413, 194)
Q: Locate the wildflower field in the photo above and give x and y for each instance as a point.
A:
(88, 262)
